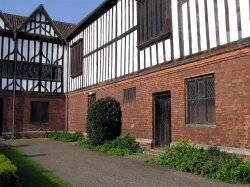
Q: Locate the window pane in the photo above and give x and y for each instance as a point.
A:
(192, 93)
(202, 111)
(210, 87)
(154, 16)
(76, 58)
(129, 94)
(192, 111)
(211, 111)
(201, 88)
(39, 112)
(200, 100)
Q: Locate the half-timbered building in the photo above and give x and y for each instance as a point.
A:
(33, 57)
(179, 68)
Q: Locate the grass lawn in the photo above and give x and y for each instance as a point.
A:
(29, 172)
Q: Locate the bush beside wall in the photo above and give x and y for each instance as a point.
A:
(211, 163)
(103, 120)
(8, 177)
(121, 146)
(65, 137)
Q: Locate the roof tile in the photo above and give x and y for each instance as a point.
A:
(16, 21)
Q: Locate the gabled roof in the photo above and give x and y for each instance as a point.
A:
(40, 9)
(91, 17)
(64, 28)
(17, 22)
(6, 21)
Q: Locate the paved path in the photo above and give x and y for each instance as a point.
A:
(80, 167)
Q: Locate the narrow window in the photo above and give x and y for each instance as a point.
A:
(91, 99)
(200, 104)
(154, 21)
(39, 112)
(76, 58)
(129, 94)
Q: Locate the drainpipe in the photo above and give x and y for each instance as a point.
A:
(14, 84)
(67, 65)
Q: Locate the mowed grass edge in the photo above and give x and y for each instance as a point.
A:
(29, 172)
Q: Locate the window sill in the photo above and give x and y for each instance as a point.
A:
(128, 102)
(76, 75)
(200, 126)
(39, 123)
(154, 40)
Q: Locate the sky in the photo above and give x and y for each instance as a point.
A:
(71, 11)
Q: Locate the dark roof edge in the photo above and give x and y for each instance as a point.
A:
(88, 19)
(6, 21)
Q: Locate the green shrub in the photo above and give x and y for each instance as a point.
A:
(9, 137)
(103, 121)
(120, 146)
(65, 137)
(116, 152)
(211, 163)
(126, 143)
(233, 170)
(87, 144)
(8, 171)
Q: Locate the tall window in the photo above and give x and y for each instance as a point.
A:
(76, 58)
(200, 104)
(39, 112)
(154, 20)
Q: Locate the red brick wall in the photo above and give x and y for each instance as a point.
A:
(57, 110)
(7, 111)
(77, 111)
(232, 87)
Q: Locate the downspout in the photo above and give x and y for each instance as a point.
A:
(66, 122)
(14, 84)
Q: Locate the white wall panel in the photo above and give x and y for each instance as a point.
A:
(136, 52)
(154, 55)
(222, 22)
(160, 52)
(142, 59)
(118, 58)
(167, 50)
(233, 21)
(245, 21)
(175, 29)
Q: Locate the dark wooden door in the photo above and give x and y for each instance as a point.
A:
(1, 116)
(162, 110)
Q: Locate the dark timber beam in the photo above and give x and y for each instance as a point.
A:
(207, 25)
(216, 14)
(227, 20)
(180, 27)
(36, 37)
(239, 19)
(14, 84)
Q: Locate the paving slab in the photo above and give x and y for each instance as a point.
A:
(81, 167)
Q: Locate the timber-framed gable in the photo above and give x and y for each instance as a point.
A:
(33, 62)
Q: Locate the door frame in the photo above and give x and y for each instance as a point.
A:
(167, 94)
(1, 115)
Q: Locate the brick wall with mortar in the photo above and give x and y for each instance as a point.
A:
(230, 67)
(23, 125)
